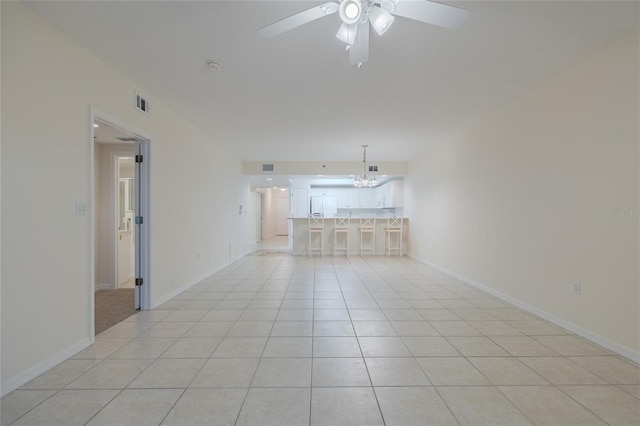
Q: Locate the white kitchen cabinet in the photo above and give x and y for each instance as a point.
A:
(382, 194)
(342, 195)
(315, 192)
(352, 198)
(394, 194)
(367, 198)
(390, 194)
(348, 198)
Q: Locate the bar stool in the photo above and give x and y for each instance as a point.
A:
(394, 227)
(367, 226)
(341, 226)
(316, 226)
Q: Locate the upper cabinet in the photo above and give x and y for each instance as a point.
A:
(356, 198)
(388, 195)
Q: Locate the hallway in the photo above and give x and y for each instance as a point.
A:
(277, 339)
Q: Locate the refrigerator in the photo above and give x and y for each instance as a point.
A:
(325, 206)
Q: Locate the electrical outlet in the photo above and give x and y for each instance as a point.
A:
(577, 288)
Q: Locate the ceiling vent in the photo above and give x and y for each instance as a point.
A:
(267, 168)
(142, 104)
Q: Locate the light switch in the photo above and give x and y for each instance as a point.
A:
(81, 209)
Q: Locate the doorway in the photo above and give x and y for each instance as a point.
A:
(119, 199)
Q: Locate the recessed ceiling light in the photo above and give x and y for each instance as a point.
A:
(269, 179)
(95, 125)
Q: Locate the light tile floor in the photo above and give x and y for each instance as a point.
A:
(282, 340)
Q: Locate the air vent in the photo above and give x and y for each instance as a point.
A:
(142, 104)
(373, 168)
(267, 167)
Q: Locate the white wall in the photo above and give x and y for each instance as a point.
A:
(520, 202)
(196, 190)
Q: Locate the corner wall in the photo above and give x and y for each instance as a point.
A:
(543, 194)
(196, 227)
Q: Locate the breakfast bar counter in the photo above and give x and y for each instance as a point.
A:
(300, 236)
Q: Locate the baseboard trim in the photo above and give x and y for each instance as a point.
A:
(567, 325)
(185, 287)
(195, 281)
(31, 373)
(103, 286)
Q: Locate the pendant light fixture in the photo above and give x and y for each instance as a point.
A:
(365, 180)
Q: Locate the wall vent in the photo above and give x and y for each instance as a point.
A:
(142, 104)
(130, 139)
(373, 168)
(267, 167)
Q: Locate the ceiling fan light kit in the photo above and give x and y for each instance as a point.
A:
(350, 11)
(380, 19)
(356, 15)
(347, 33)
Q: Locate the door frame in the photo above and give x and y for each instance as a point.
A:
(143, 187)
(259, 216)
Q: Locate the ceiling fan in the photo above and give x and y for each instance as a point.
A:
(356, 15)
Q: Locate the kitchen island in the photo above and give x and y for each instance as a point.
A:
(300, 236)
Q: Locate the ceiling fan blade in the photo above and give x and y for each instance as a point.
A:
(359, 52)
(427, 11)
(298, 19)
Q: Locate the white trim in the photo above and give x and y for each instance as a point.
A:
(103, 286)
(582, 332)
(144, 209)
(188, 285)
(195, 281)
(33, 372)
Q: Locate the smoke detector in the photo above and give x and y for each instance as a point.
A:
(214, 65)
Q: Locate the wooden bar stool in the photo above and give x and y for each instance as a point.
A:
(367, 230)
(391, 243)
(341, 227)
(316, 227)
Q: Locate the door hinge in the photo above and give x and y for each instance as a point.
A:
(139, 158)
(139, 220)
(139, 281)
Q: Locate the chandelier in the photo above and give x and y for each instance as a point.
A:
(365, 180)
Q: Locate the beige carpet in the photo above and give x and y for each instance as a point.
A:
(112, 307)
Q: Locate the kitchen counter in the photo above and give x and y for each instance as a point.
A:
(300, 236)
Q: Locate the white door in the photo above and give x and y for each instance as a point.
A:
(282, 216)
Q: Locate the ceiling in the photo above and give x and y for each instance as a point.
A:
(295, 97)
(105, 133)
